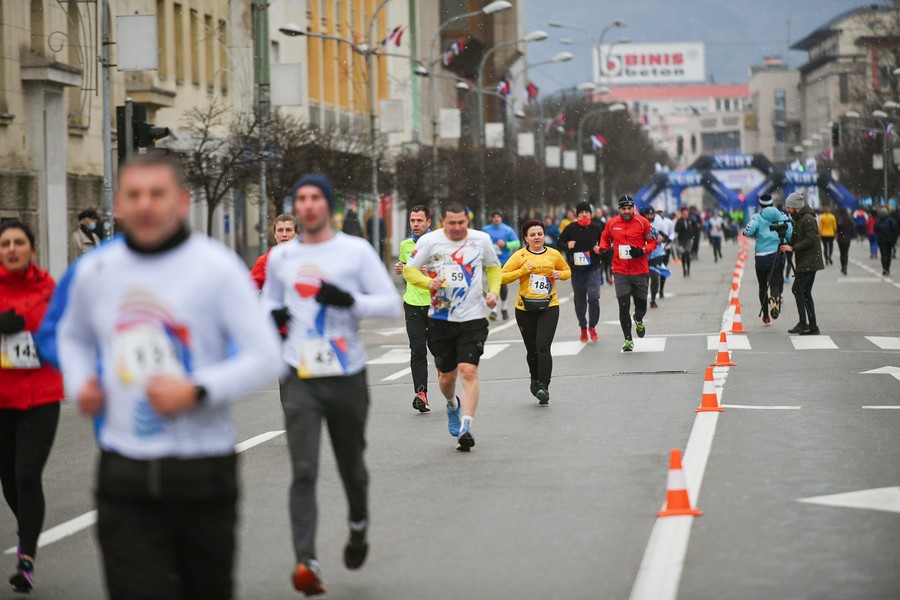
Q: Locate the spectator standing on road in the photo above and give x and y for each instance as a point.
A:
(685, 230)
(457, 260)
(629, 238)
(716, 226)
(769, 260)
(870, 232)
(827, 231)
(580, 242)
(698, 232)
(30, 393)
(845, 233)
(505, 243)
(320, 287)
(415, 309)
(887, 230)
(143, 342)
(285, 229)
(807, 249)
(85, 237)
(537, 269)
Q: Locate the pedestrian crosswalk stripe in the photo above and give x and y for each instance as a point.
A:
(566, 348)
(394, 356)
(735, 342)
(654, 344)
(813, 342)
(492, 350)
(885, 343)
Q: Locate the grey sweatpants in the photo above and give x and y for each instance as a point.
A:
(344, 404)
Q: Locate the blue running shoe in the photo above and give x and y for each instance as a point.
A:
(465, 441)
(453, 418)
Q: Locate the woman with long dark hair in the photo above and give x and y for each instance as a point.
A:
(537, 268)
(30, 392)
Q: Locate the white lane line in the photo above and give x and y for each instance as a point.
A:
(747, 406)
(566, 348)
(650, 344)
(858, 280)
(88, 519)
(492, 350)
(735, 342)
(869, 269)
(881, 407)
(885, 343)
(395, 356)
(398, 374)
(813, 342)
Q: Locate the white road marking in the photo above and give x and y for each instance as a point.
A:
(492, 350)
(390, 332)
(747, 406)
(398, 374)
(858, 280)
(88, 519)
(895, 371)
(813, 342)
(395, 356)
(735, 342)
(881, 407)
(566, 348)
(886, 499)
(512, 323)
(885, 343)
(650, 344)
(869, 269)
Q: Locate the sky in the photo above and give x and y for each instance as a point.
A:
(737, 33)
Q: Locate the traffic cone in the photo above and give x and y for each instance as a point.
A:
(678, 504)
(709, 402)
(723, 359)
(737, 326)
(734, 301)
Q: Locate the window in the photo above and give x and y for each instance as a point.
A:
(178, 14)
(195, 43)
(224, 63)
(209, 58)
(844, 85)
(780, 113)
(727, 104)
(274, 52)
(37, 28)
(162, 22)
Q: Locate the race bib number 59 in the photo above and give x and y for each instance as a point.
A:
(453, 276)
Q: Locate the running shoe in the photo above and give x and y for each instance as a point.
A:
(773, 307)
(356, 549)
(420, 403)
(308, 578)
(628, 346)
(593, 334)
(767, 320)
(535, 386)
(810, 331)
(799, 328)
(584, 335)
(465, 441)
(505, 314)
(453, 418)
(640, 328)
(653, 304)
(22, 580)
(543, 395)
(493, 316)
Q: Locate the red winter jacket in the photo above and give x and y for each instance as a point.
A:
(28, 293)
(258, 272)
(635, 233)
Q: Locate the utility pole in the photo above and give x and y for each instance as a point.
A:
(261, 68)
(109, 223)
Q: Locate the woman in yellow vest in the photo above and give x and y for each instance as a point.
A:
(827, 231)
(537, 306)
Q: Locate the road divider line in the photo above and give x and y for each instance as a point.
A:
(749, 407)
(881, 407)
(398, 374)
(89, 519)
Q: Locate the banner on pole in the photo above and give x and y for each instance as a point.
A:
(570, 160)
(589, 163)
(285, 89)
(526, 144)
(493, 135)
(552, 157)
(450, 124)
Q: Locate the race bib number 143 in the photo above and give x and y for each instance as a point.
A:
(17, 351)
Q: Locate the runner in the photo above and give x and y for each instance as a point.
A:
(766, 226)
(320, 286)
(657, 259)
(580, 241)
(505, 243)
(142, 344)
(454, 257)
(30, 393)
(537, 308)
(285, 228)
(629, 239)
(716, 225)
(415, 307)
(685, 230)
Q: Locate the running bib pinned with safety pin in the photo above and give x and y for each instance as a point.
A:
(624, 251)
(319, 358)
(539, 284)
(582, 259)
(18, 351)
(454, 276)
(144, 351)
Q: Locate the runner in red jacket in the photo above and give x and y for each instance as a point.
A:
(630, 239)
(29, 392)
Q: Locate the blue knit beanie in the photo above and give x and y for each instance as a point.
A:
(320, 181)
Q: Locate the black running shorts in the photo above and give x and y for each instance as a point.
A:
(454, 342)
(634, 285)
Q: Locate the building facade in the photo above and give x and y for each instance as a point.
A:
(773, 119)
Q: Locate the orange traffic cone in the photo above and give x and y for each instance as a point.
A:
(734, 301)
(723, 359)
(709, 402)
(737, 326)
(678, 504)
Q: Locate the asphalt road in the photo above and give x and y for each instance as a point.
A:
(560, 502)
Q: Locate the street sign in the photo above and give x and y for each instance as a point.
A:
(141, 52)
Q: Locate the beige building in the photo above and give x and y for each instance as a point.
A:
(772, 122)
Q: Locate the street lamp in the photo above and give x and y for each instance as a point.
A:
(617, 107)
(886, 137)
(597, 42)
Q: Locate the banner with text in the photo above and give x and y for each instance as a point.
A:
(638, 64)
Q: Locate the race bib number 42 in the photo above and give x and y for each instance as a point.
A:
(540, 284)
(17, 351)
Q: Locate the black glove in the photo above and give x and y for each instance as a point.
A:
(281, 317)
(605, 254)
(10, 322)
(333, 295)
(635, 252)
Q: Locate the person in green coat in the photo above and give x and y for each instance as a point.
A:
(415, 307)
(807, 248)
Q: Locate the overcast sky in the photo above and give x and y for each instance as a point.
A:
(737, 33)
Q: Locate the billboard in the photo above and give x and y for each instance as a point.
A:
(640, 64)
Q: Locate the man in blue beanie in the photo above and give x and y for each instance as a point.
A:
(319, 288)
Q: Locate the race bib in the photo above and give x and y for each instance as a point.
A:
(540, 284)
(145, 351)
(454, 276)
(624, 251)
(17, 351)
(319, 358)
(582, 259)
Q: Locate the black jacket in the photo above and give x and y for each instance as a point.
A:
(585, 239)
(887, 230)
(806, 242)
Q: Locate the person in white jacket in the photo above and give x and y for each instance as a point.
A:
(319, 287)
(143, 345)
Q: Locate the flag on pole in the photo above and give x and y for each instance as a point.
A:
(503, 87)
(396, 35)
(598, 141)
(532, 91)
(889, 130)
(453, 50)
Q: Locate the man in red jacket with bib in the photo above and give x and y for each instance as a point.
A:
(630, 239)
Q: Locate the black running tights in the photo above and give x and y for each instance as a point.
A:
(25, 440)
(640, 309)
(537, 329)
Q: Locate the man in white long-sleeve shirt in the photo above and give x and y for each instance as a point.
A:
(320, 287)
(143, 347)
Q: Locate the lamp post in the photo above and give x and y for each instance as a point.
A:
(886, 132)
(579, 140)
(534, 36)
(598, 42)
(261, 71)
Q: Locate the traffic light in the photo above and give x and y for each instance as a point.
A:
(136, 133)
(835, 134)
